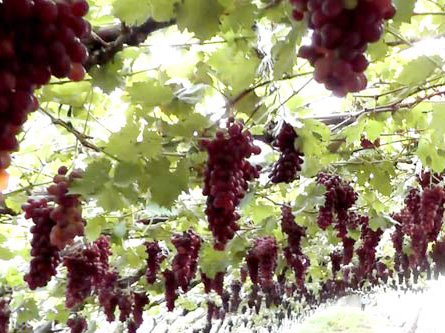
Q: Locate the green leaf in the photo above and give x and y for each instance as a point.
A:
(28, 311)
(212, 261)
(374, 129)
(165, 186)
(132, 11)
(111, 199)
(438, 120)
(107, 77)
(126, 145)
(377, 222)
(93, 179)
(120, 230)
(313, 137)
(241, 15)
(189, 126)
(417, 71)
(162, 10)
(127, 173)
(235, 68)
(405, 9)
(150, 93)
(284, 53)
(200, 17)
(6, 254)
(429, 155)
(94, 227)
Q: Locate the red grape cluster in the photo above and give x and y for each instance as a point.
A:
(226, 179)
(184, 265)
(366, 252)
(5, 314)
(421, 220)
(367, 144)
(77, 324)
(46, 256)
(348, 249)
(131, 304)
(108, 297)
(54, 227)
(235, 301)
(340, 37)
(68, 212)
(38, 38)
(339, 197)
(293, 254)
(427, 179)
(217, 283)
(86, 269)
(154, 260)
(262, 261)
(286, 168)
(140, 300)
(438, 256)
(336, 261)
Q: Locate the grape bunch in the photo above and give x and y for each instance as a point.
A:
(217, 283)
(46, 256)
(235, 301)
(140, 300)
(367, 251)
(262, 261)
(421, 220)
(184, 265)
(438, 256)
(86, 269)
(77, 324)
(38, 38)
(226, 179)
(367, 144)
(131, 304)
(336, 261)
(154, 260)
(108, 297)
(348, 249)
(289, 163)
(68, 211)
(341, 33)
(339, 197)
(427, 179)
(293, 253)
(5, 314)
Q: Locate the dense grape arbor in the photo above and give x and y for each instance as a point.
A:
(180, 159)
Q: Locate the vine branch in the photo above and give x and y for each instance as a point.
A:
(106, 42)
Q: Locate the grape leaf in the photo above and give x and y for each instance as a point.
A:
(200, 17)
